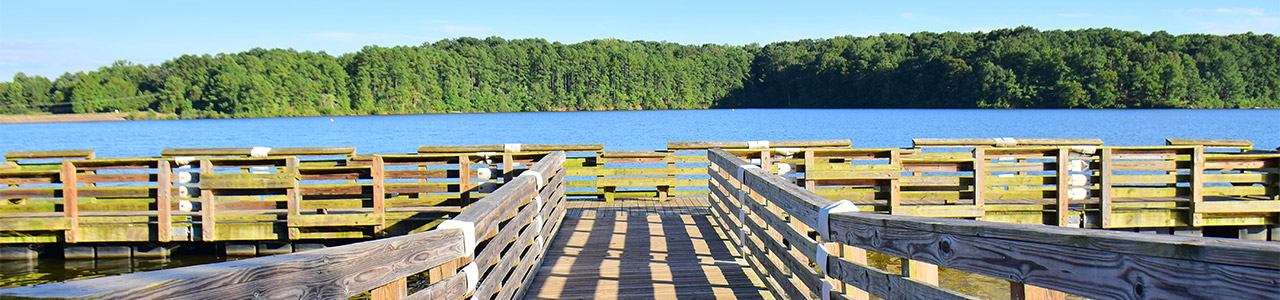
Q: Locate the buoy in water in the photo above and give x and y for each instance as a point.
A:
(330, 120)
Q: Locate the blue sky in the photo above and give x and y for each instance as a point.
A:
(52, 37)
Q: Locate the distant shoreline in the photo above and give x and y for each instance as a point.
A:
(62, 118)
(110, 117)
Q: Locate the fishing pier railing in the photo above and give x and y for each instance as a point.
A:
(803, 217)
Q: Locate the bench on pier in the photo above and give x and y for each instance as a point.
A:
(1237, 145)
(1002, 142)
(16, 155)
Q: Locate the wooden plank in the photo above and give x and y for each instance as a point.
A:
(392, 291)
(329, 220)
(979, 176)
(941, 211)
(635, 181)
(500, 148)
(35, 224)
(839, 175)
(1242, 144)
(990, 142)
(222, 181)
(1104, 187)
(772, 144)
(1197, 186)
(164, 202)
(1063, 199)
(1064, 252)
(47, 154)
(208, 220)
(886, 285)
(378, 174)
(70, 201)
(334, 272)
(1238, 207)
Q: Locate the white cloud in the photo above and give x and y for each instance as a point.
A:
(454, 29)
(1234, 20)
(1256, 12)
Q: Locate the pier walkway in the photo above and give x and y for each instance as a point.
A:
(641, 249)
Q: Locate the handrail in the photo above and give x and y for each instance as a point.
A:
(1090, 263)
(513, 230)
(323, 273)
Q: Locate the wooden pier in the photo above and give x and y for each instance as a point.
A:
(761, 219)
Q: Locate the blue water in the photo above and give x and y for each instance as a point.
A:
(647, 130)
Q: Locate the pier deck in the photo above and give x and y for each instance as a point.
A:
(643, 250)
(760, 219)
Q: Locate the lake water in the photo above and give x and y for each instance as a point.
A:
(647, 130)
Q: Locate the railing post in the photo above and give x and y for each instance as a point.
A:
(979, 176)
(293, 195)
(391, 291)
(70, 201)
(921, 271)
(464, 180)
(207, 222)
(1197, 185)
(1064, 189)
(895, 183)
(857, 255)
(378, 172)
(164, 191)
(1105, 186)
(808, 167)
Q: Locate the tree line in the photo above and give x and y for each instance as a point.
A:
(1006, 68)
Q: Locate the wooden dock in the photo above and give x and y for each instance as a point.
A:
(760, 219)
(643, 250)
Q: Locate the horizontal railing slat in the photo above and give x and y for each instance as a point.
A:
(331, 272)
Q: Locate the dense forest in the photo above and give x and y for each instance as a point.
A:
(1006, 68)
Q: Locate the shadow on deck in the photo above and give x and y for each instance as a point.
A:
(643, 250)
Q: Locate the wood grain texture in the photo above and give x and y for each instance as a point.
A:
(325, 273)
(43, 154)
(772, 144)
(70, 202)
(1118, 268)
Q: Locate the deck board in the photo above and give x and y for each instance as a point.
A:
(643, 250)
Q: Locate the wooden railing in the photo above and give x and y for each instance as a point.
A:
(1077, 186)
(500, 239)
(237, 194)
(803, 245)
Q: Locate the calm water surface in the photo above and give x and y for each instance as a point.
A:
(619, 130)
(647, 130)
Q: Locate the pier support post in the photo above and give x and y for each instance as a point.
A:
(299, 247)
(113, 252)
(17, 252)
(1188, 231)
(149, 250)
(241, 249)
(77, 252)
(1257, 233)
(273, 248)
